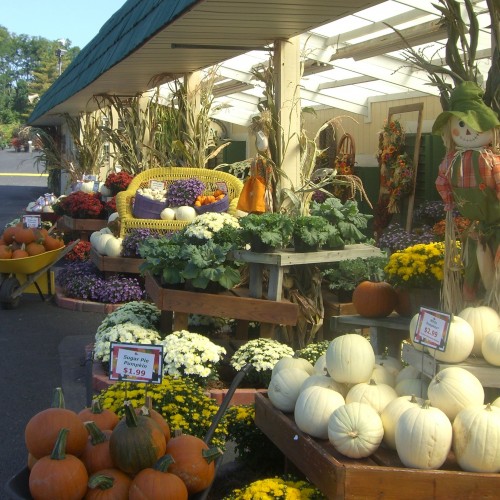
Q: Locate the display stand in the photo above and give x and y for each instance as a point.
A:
(82, 226)
(382, 475)
(115, 264)
(385, 333)
(487, 374)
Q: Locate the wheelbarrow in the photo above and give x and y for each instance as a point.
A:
(32, 267)
(18, 485)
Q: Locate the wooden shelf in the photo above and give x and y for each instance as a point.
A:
(488, 375)
(115, 264)
(381, 475)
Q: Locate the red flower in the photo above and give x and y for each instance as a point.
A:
(482, 186)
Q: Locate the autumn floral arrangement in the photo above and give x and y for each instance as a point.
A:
(80, 205)
(80, 252)
(418, 266)
(118, 181)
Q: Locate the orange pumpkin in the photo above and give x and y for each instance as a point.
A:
(43, 428)
(52, 243)
(8, 234)
(20, 253)
(58, 476)
(96, 455)
(102, 417)
(35, 248)
(148, 411)
(193, 461)
(24, 235)
(108, 484)
(157, 482)
(374, 299)
(5, 252)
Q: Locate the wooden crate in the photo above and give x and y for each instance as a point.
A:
(487, 374)
(115, 264)
(380, 476)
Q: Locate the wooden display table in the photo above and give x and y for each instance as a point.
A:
(83, 226)
(176, 305)
(380, 476)
(386, 332)
(278, 263)
(487, 374)
(115, 264)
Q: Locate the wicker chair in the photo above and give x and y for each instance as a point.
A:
(211, 178)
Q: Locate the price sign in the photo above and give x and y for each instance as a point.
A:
(432, 328)
(157, 185)
(136, 363)
(32, 221)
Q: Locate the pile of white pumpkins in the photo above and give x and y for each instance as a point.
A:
(360, 401)
(105, 242)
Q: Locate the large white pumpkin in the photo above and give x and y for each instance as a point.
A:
(291, 362)
(350, 359)
(355, 430)
(324, 381)
(113, 247)
(313, 409)
(423, 437)
(100, 242)
(476, 439)
(408, 371)
(185, 213)
(284, 388)
(459, 344)
(483, 320)
(409, 386)
(378, 396)
(391, 413)
(454, 389)
(411, 330)
(394, 365)
(490, 348)
(320, 365)
(383, 375)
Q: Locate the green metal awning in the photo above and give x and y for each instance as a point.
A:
(148, 38)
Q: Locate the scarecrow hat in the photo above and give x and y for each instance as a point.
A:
(466, 103)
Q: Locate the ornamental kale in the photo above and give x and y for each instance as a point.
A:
(184, 192)
(133, 240)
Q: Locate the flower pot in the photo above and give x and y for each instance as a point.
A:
(424, 297)
(258, 246)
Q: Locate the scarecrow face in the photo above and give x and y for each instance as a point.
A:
(466, 137)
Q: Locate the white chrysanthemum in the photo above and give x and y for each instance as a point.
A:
(186, 353)
(207, 224)
(138, 312)
(126, 333)
(262, 354)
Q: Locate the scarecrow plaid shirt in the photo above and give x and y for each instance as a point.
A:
(489, 170)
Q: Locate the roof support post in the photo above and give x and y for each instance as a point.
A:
(287, 90)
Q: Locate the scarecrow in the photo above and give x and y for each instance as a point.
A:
(469, 182)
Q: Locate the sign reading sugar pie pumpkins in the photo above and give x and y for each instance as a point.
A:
(136, 363)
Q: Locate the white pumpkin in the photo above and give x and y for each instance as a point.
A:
(355, 430)
(411, 330)
(113, 247)
(391, 413)
(408, 371)
(483, 320)
(313, 409)
(105, 191)
(47, 209)
(490, 348)
(94, 236)
(409, 386)
(86, 187)
(459, 344)
(292, 362)
(185, 213)
(167, 214)
(454, 389)
(476, 439)
(394, 365)
(324, 381)
(350, 359)
(496, 402)
(423, 437)
(378, 396)
(383, 375)
(320, 365)
(100, 242)
(284, 388)
(112, 217)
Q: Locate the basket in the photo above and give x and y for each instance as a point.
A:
(146, 208)
(217, 206)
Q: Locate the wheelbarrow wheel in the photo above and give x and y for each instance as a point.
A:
(7, 289)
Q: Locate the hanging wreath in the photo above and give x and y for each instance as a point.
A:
(396, 169)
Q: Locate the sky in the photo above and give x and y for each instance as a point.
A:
(76, 20)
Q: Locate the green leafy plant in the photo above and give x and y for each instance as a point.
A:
(271, 228)
(313, 351)
(313, 230)
(347, 274)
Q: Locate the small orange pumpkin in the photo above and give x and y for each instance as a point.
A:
(102, 417)
(148, 411)
(96, 455)
(58, 476)
(52, 243)
(374, 299)
(35, 248)
(194, 461)
(20, 253)
(157, 482)
(5, 252)
(108, 484)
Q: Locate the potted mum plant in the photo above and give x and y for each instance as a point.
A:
(266, 232)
